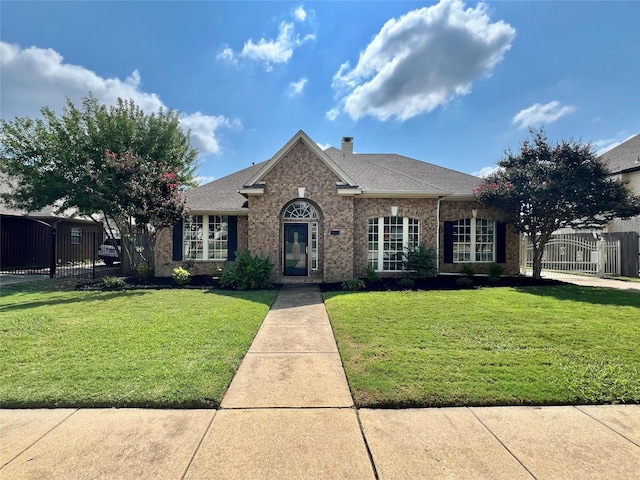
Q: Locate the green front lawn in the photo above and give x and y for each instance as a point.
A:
(493, 346)
(151, 348)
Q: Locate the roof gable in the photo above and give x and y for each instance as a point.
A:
(301, 136)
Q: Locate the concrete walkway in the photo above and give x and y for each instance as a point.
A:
(288, 414)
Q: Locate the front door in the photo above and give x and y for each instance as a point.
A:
(295, 248)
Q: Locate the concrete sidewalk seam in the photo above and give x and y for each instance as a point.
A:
(195, 450)
(366, 445)
(577, 407)
(41, 437)
(501, 443)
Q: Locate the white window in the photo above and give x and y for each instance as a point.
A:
(205, 237)
(76, 236)
(473, 240)
(388, 240)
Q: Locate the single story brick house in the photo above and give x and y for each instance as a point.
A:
(326, 216)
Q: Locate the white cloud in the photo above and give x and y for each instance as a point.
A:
(422, 60)
(273, 51)
(203, 179)
(296, 88)
(35, 77)
(538, 114)
(486, 171)
(300, 14)
(332, 114)
(323, 146)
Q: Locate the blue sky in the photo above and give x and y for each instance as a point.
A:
(452, 83)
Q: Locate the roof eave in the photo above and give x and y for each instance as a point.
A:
(401, 194)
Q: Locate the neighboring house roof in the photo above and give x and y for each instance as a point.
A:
(45, 213)
(374, 175)
(625, 157)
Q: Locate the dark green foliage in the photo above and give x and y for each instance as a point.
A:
(118, 161)
(406, 283)
(550, 185)
(372, 275)
(495, 271)
(353, 285)
(468, 270)
(464, 282)
(247, 272)
(421, 262)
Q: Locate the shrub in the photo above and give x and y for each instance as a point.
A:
(353, 285)
(495, 270)
(113, 282)
(464, 282)
(188, 264)
(181, 276)
(421, 261)
(406, 283)
(372, 275)
(247, 272)
(143, 271)
(468, 270)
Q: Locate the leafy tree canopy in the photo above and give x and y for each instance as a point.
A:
(118, 161)
(57, 157)
(547, 186)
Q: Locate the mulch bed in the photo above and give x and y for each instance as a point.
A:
(441, 282)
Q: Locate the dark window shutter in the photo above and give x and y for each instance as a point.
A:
(501, 242)
(177, 242)
(448, 242)
(232, 232)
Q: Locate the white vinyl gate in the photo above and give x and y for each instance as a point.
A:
(574, 254)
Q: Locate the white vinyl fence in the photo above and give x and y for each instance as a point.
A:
(574, 254)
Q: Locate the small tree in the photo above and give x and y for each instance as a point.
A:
(547, 186)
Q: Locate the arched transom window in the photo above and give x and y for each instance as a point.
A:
(300, 210)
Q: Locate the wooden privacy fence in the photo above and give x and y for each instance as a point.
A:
(579, 253)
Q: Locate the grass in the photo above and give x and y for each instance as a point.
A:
(175, 348)
(627, 279)
(500, 346)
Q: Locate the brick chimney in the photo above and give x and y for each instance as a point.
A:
(347, 144)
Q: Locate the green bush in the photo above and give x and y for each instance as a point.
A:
(181, 276)
(406, 283)
(421, 262)
(464, 282)
(113, 282)
(495, 271)
(353, 285)
(143, 271)
(468, 270)
(247, 272)
(372, 275)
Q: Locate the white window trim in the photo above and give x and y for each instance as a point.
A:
(474, 242)
(204, 238)
(380, 242)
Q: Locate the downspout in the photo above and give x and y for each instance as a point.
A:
(438, 235)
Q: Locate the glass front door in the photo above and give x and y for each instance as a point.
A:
(295, 248)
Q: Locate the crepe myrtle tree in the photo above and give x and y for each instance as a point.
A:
(116, 163)
(549, 185)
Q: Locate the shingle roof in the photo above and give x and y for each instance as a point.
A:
(393, 173)
(624, 157)
(222, 195)
(375, 174)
